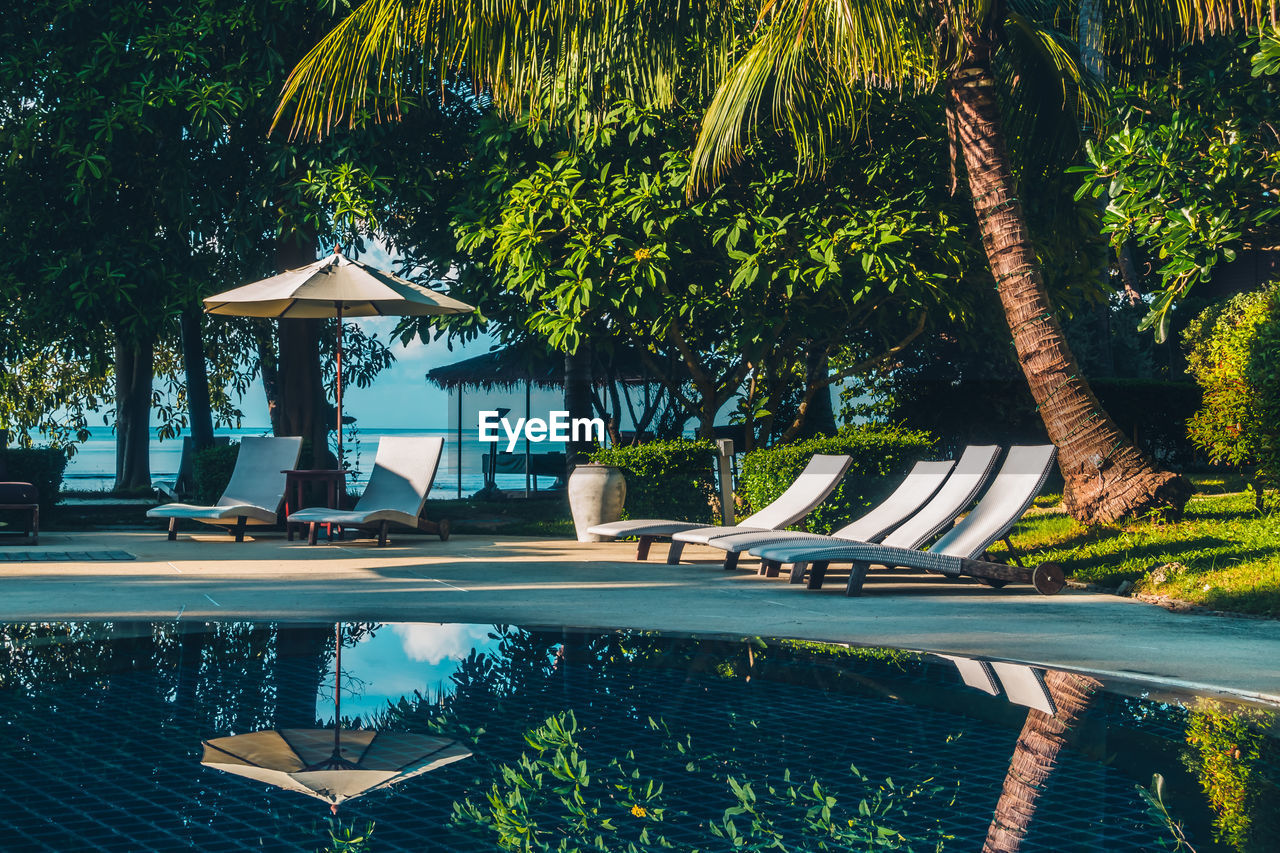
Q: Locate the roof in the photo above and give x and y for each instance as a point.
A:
(515, 365)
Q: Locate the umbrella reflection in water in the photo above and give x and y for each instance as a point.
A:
(331, 764)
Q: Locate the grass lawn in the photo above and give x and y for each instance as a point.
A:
(1223, 554)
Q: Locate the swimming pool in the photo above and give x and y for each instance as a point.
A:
(597, 740)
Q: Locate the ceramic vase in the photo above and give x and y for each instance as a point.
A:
(596, 495)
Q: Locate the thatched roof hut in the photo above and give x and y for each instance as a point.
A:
(515, 365)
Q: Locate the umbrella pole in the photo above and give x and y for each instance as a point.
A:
(337, 690)
(339, 393)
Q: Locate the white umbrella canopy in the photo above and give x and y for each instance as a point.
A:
(334, 286)
(330, 765)
(331, 287)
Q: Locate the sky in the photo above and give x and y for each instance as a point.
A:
(399, 659)
(400, 397)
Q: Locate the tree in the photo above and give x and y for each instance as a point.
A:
(1187, 164)
(748, 284)
(142, 129)
(803, 72)
(1035, 757)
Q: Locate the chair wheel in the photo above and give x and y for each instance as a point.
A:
(1048, 578)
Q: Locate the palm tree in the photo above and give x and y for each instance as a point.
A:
(1035, 756)
(802, 71)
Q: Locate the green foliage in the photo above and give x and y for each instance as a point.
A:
(1231, 755)
(561, 795)
(348, 839)
(1159, 816)
(141, 129)
(585, 234)
(211, 472)
(40, 466)
(880, 454)
(666, 479)
(1189, 164)
(1233, 349)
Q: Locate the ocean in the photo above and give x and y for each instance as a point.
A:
(94, 464)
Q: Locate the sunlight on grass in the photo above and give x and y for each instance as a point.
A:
(1223, 554)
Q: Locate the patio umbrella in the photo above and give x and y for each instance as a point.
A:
(335, 286)
(331, 764)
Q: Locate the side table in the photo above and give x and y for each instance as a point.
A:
(294, 481)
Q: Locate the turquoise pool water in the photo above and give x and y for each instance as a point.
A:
(581, 740)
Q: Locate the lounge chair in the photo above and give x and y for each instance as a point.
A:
(818, 479)
(958, 551)
(1022, 684)
(254, 494)
(19, 497)
(403, 472)
(953, 496)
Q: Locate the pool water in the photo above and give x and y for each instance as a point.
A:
(612, 741)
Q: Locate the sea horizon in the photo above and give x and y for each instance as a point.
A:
(92, 467)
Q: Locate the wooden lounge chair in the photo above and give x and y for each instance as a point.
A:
(254, 494)
(958, 551)
(818, 479)
(403, 471)
(967, 477)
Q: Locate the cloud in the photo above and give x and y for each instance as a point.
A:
(434, 643)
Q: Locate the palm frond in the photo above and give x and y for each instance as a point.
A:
(514, 50)
(807, 74)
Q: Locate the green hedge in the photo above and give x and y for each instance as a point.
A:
(881, 455)
(42, 467)
(211, 471)
(666, 479)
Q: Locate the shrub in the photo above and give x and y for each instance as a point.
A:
(211, 471)
(42, 467)
(1232, 351)
(666, 479)
(880, 454)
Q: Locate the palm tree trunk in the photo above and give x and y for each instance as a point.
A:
(1034, 758)
(1107, 477)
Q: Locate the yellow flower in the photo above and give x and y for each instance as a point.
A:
(641, 254)
(638, 811)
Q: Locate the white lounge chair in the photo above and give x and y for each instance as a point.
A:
(901, 510)
(254, 494)
(818, 479)
(957, 551)
(403, 471)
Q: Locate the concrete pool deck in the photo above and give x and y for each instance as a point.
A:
(521, 581)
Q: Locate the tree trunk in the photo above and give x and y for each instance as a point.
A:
(1106, 476)
(1034, 758)
(133, 378)
(199, 408)
(577, 401)
(302, 405)
(301, 663)
(817, 417)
